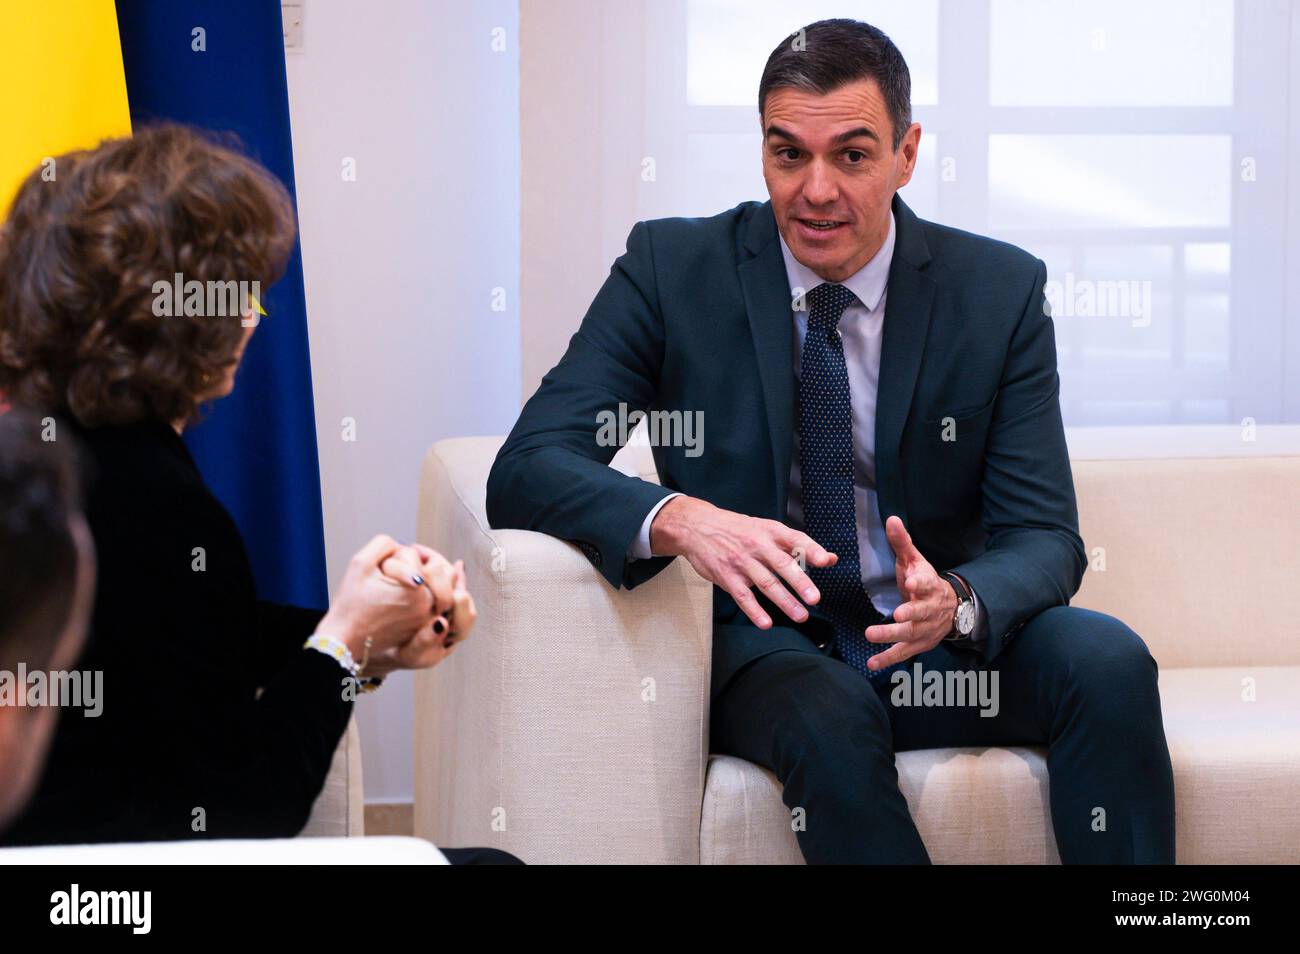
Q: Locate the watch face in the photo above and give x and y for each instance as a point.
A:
(966, 617)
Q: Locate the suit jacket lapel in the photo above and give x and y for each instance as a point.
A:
(767, 302)
(908, 302)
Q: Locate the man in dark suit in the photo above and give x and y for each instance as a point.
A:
(882, 495)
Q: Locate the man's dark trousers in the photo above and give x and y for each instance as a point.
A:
(1072, 680)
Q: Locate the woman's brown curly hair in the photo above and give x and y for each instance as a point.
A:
(79, 257)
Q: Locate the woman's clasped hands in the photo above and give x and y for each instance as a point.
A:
(399, 606)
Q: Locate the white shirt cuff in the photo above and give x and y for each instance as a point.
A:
(641, 545)
(979, 632)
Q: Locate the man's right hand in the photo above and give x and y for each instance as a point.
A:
(738, 553)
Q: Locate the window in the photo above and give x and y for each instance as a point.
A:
(1141, 148)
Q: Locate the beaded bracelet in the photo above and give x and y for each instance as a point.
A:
(335, 649)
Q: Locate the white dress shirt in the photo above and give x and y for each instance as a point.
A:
(862, 330)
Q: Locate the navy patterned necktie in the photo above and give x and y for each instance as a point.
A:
(826, 476)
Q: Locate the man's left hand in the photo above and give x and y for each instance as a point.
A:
(925, 618)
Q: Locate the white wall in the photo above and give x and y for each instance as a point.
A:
(400, 267)
(582, 82)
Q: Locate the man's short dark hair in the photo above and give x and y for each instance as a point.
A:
(40, 495)
(828, 54)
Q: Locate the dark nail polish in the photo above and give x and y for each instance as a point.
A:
(439, 626)
(417, 579)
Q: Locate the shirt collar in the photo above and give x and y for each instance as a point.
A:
(867, 283)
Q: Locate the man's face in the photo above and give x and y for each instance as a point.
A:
(832, 171)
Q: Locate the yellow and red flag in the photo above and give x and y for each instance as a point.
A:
(62, 86)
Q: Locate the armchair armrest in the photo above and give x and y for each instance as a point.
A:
(572, 725)
(339, 809)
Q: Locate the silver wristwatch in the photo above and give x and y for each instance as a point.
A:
(963, 618)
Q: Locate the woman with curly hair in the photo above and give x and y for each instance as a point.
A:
(221, 713)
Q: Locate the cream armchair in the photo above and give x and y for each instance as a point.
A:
(573, 726)
(339, 810)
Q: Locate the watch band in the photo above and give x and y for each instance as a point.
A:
(963, 591)
(964, 596)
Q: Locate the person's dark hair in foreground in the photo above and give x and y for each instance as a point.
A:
(220, 717)
(47, 573)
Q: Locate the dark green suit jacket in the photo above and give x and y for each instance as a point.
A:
(696, 316)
